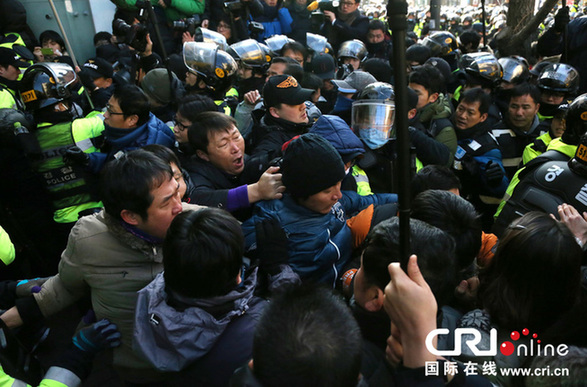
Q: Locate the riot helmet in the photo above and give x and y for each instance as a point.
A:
(373, 115)
(578, 163)
(318, 43)
(251, 53)
(215, 67)
(484, 69)
(441, 43)
(352, 49)
(559, 77)
(276, 43)
(514, 70)
(576, 120)
(208, 36)
(45, 84)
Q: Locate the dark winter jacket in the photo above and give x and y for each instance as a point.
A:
(340, 31)
(154, 131)
(213, 335)
(319, 244)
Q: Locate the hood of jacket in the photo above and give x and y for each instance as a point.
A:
(170, 339)
(441, 108)
(154, 131)
(340, 135)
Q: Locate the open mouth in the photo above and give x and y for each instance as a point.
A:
(238, 162)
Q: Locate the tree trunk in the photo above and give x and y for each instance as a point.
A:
(521, 27)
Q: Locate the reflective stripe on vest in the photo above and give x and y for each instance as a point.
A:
(362, 180)
(57, 376)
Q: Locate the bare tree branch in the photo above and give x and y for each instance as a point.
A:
(533, 24)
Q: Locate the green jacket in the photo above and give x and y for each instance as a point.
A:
(446, 134)
(178, 9)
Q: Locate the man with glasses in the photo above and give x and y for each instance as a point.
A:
(347, 23)
(128, 124)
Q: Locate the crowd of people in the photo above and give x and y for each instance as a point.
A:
(216, 191)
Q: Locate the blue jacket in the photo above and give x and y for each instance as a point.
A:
(154, 131)
(471, 160)
(319, 245)
(281, 25)
(339, 134)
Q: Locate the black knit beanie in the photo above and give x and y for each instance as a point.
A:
(310, 165)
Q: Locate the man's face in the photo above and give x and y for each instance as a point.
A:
(552, 97)
(467, 115)
(226, 150)
(292, 113)
(295, 55)
(276, 69)
(191, 78)
(10, 72)
(521, 111)
(113, 116)
(375, 36)
(102, 82)
(557, 126)
(424, 98)
(180, 128)
(244, 71)
(323, 201)
(347, 6)
(356, 63)
(178, 176)
(165, 207)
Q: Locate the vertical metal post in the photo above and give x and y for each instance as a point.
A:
(564, 55)
(483, 18)
(396, 12)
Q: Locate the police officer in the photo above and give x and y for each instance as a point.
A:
(544, 185)
(45, 90)
(216, 71)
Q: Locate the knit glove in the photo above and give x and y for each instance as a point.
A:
(271, 246)
(493, 173)
(97, 337)
(75, 156)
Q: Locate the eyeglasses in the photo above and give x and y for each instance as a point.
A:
(181, 127)
(109, 110)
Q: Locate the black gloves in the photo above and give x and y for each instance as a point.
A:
(493, 173)
(561, 19)
(271, 246)
(75, 156)
(97, 337)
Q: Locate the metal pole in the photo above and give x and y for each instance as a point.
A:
(153, 20)
(434, 15)
(483, 18)
(69, 48)
(396, 13)
(564, 55)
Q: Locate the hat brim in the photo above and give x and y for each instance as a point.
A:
(343, 87)
(93, 73)
(21, 64)
(326, 75)
(299, 96)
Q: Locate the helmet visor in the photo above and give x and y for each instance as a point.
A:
(316, 42)
(199, 57)
(208, 36)
(249, 52)
(375, 117)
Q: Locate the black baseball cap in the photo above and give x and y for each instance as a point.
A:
(99, 67)
(284, 89)
(10, 57)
